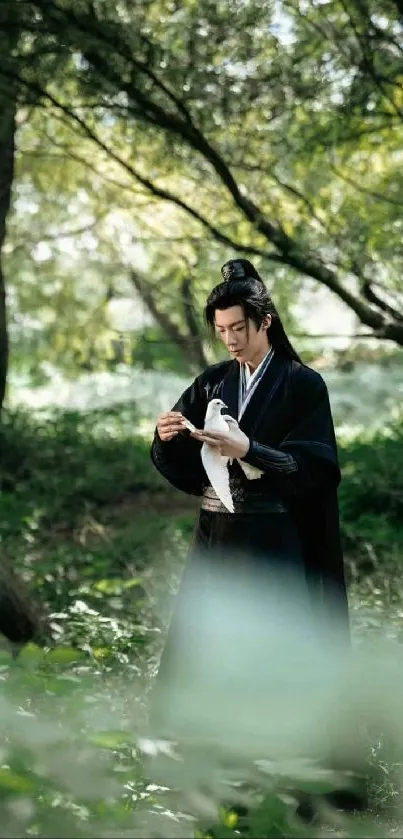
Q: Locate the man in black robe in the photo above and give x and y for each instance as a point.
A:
(284, 531)
(289, 516)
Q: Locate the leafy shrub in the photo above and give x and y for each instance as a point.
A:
(79, 502)
(371, 499)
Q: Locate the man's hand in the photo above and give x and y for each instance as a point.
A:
(233, 443)
(169, 424)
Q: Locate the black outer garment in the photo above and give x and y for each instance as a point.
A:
(289, 423)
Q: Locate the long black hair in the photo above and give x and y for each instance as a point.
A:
(244, 287)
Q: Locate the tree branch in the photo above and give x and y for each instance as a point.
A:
(70, 155)
(354, 136)
(287, 188)
(90, 25)
(368, 60)
(164, 321)
(159, 192)
(185, 128)
(288, 251)
(67, 234)
(299, 260)
(191, 321)
(372, 297)
(377, 195)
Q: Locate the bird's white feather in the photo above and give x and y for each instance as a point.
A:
(216, 468)
(187, 424)
(250, 472)
(215, 464)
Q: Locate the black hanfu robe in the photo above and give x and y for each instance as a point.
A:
(287, 518)
(289, 423)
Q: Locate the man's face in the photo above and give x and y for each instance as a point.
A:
(246, 345)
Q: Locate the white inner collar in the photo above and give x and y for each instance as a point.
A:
(249, 377)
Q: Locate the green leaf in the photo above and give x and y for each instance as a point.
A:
(65, 655)
(31, 655)
(134, 581)
(14, 782)
(109, 739)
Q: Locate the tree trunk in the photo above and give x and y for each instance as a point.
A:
(195, 337)
(7, 153)
(7, 132)
(191, 349)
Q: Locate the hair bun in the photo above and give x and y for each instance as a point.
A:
(239, 269)
(233, 270)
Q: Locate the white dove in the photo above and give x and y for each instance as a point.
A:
(215, 464)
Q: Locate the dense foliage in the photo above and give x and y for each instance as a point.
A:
(162, 138)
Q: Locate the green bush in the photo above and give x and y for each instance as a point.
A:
(70, 459)
(371, 500)
(79, 502)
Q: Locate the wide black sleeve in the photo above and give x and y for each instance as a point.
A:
(179, 460)
(306, 462)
